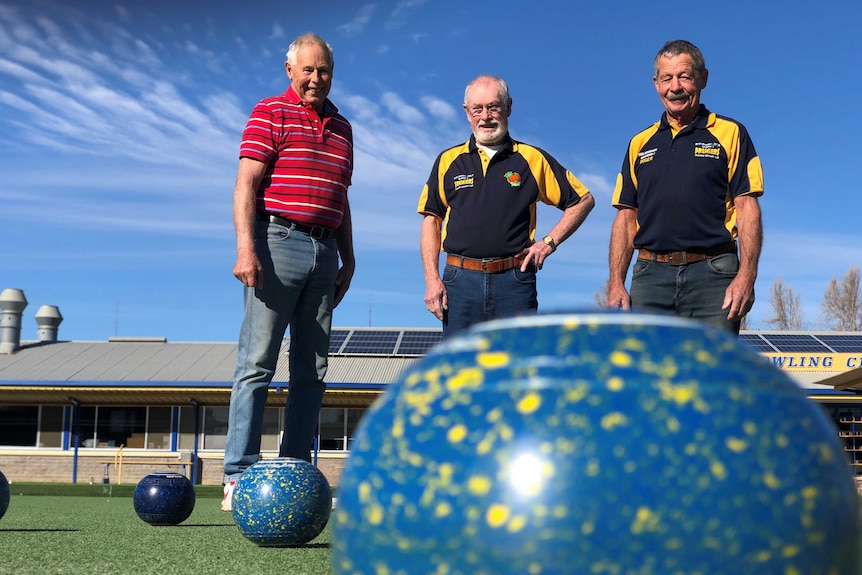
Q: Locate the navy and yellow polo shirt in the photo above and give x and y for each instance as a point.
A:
(683, 185)
(488, 206)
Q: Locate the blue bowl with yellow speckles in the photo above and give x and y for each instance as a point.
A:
(611, 443)
(281, 502)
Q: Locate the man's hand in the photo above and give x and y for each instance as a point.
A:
(248, 270)
(436, 299)
(342, 283)
(618, 298)
(535, 255)
(738, 297)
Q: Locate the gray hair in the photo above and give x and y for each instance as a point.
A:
(677, 47)
(308, 39)
(502, 87)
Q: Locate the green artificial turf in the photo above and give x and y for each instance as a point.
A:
(47, 535)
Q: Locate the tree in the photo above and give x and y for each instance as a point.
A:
(601, 296)
(785, 307)
(842, 308)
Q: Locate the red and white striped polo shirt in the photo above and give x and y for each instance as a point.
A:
(309, 159)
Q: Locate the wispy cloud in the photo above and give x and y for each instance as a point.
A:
(438, 108)
(359, 22)
(401, 13)
(142, 137)
(277, 32)
(401, 109)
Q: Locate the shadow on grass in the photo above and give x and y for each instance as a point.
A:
(40, 530)
(199, 525)
(303, 546)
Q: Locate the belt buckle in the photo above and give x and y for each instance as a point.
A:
(672, 258)
(316, 232)
(485, 263)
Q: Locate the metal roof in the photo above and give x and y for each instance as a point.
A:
(156, 372)
(362, 362)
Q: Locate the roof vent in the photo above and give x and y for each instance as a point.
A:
(48, 319)
(12, 303)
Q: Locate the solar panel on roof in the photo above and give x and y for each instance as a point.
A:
(755, 341)
(418, 342)
(336, 338)
(372, 341)
(843, 343)
(795, 343)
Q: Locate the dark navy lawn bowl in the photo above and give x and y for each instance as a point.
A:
(4, 494)
(164, 498)
(281, 502)
(607, 443)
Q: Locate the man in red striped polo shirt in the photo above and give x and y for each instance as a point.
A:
(292, 222)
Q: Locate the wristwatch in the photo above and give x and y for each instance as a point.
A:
(550, 241)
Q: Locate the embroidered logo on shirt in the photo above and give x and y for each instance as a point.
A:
(707, 150)
(463, 181)
(646, 156)
(514, 179)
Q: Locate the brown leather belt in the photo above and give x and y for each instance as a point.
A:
(685, 258)
(488, 266)
(317, 232)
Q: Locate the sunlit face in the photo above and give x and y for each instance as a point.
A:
(311, 75)
(488, 113)
(678, 85)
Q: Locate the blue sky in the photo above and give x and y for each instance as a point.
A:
(120, 125)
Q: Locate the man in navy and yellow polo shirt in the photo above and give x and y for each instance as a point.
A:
(480, 206)
(687, 200)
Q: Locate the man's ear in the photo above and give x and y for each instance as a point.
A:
(702, 78)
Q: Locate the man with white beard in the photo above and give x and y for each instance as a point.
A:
(479, 206)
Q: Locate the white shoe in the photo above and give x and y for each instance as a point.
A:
(227, 501)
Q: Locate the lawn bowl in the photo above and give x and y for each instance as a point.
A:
(281, 502)
(4, 494)
(164, 498)
(606, 443)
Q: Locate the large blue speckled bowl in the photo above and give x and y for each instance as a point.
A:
(164, 498)
(281, 502)
(598, 443)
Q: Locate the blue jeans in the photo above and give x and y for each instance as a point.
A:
(694, 290)
(298, 288)
(475, 296)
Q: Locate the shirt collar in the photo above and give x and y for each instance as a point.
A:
(508, 144)
(703, 119)
(329, 109)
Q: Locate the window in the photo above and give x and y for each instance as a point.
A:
(354, 416)
(19, 426)
(116, 426)
(51, 426)
(332, 431)
(337, 427)
(158, 428)
(86, 426)
(215, 427)
(270, 436)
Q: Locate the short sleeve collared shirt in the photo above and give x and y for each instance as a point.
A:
(683, 185)
(488, 205)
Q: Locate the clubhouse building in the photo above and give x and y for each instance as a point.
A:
(113, 411)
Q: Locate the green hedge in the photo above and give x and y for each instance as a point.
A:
(96, 489)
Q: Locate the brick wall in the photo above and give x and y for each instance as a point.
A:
(56, 467)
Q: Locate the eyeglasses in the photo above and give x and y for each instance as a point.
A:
(493, 109)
